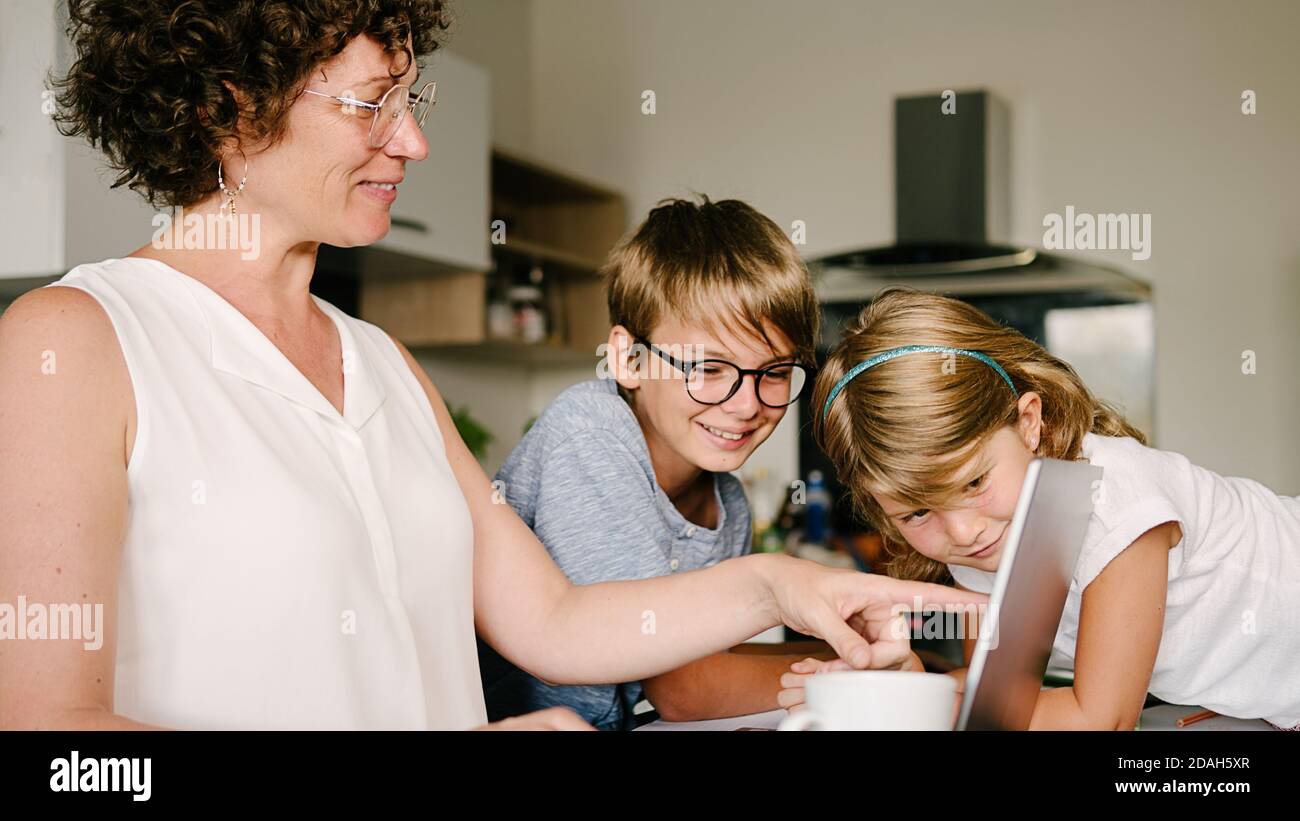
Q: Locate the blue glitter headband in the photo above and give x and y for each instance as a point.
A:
(894, 353)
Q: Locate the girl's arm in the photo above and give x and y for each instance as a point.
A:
(1120, 625)
(527, 609)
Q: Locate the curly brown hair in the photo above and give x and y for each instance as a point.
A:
(150, 82)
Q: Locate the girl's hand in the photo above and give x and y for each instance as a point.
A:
(856, 613)
(554, 718)
(791, 696)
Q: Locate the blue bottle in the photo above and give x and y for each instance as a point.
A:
(817, 515)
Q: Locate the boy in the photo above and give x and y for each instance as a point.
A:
(714, 323)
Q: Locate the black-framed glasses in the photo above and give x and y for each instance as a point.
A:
(386, 115)
(714, 381)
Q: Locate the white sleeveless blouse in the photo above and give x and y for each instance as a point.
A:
(284, 566)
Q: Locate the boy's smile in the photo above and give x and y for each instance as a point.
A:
(685, 436)
(727, 439)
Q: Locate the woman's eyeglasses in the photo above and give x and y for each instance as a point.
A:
(714, 381)
(386, 115)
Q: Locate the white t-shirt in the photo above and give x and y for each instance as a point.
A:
(1231, 640)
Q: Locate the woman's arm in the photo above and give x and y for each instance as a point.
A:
(1120, 625)
(65, 398)
(631, 630)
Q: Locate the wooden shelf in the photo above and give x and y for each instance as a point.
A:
(570, 263)
(554, 214)
(564, 225)
(529, 181)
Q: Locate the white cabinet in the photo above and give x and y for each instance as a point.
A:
(31, 228)
(57, 209)
(441, 211)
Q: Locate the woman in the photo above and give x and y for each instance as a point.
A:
(268, 497)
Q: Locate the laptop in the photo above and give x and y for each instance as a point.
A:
(1028, 596)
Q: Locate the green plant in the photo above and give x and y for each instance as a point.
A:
(476, 437)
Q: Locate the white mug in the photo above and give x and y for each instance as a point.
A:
(876, 700)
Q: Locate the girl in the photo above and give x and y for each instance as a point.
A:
(1187, 583)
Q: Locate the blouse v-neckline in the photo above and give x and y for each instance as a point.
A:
(240, 348)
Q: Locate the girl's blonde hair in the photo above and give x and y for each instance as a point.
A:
(905, 427)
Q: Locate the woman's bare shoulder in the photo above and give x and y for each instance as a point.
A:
(59, 354)
(60, 323)
(68, 312)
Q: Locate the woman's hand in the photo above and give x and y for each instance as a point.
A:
(554, 718)
(856, 613)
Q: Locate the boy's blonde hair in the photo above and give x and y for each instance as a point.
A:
(904, 427)
(718, 265)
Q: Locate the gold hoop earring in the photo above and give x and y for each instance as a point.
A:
(228, 207)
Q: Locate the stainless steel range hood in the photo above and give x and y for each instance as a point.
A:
(951, 181)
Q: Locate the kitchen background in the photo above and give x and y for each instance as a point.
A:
(1112, 107)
